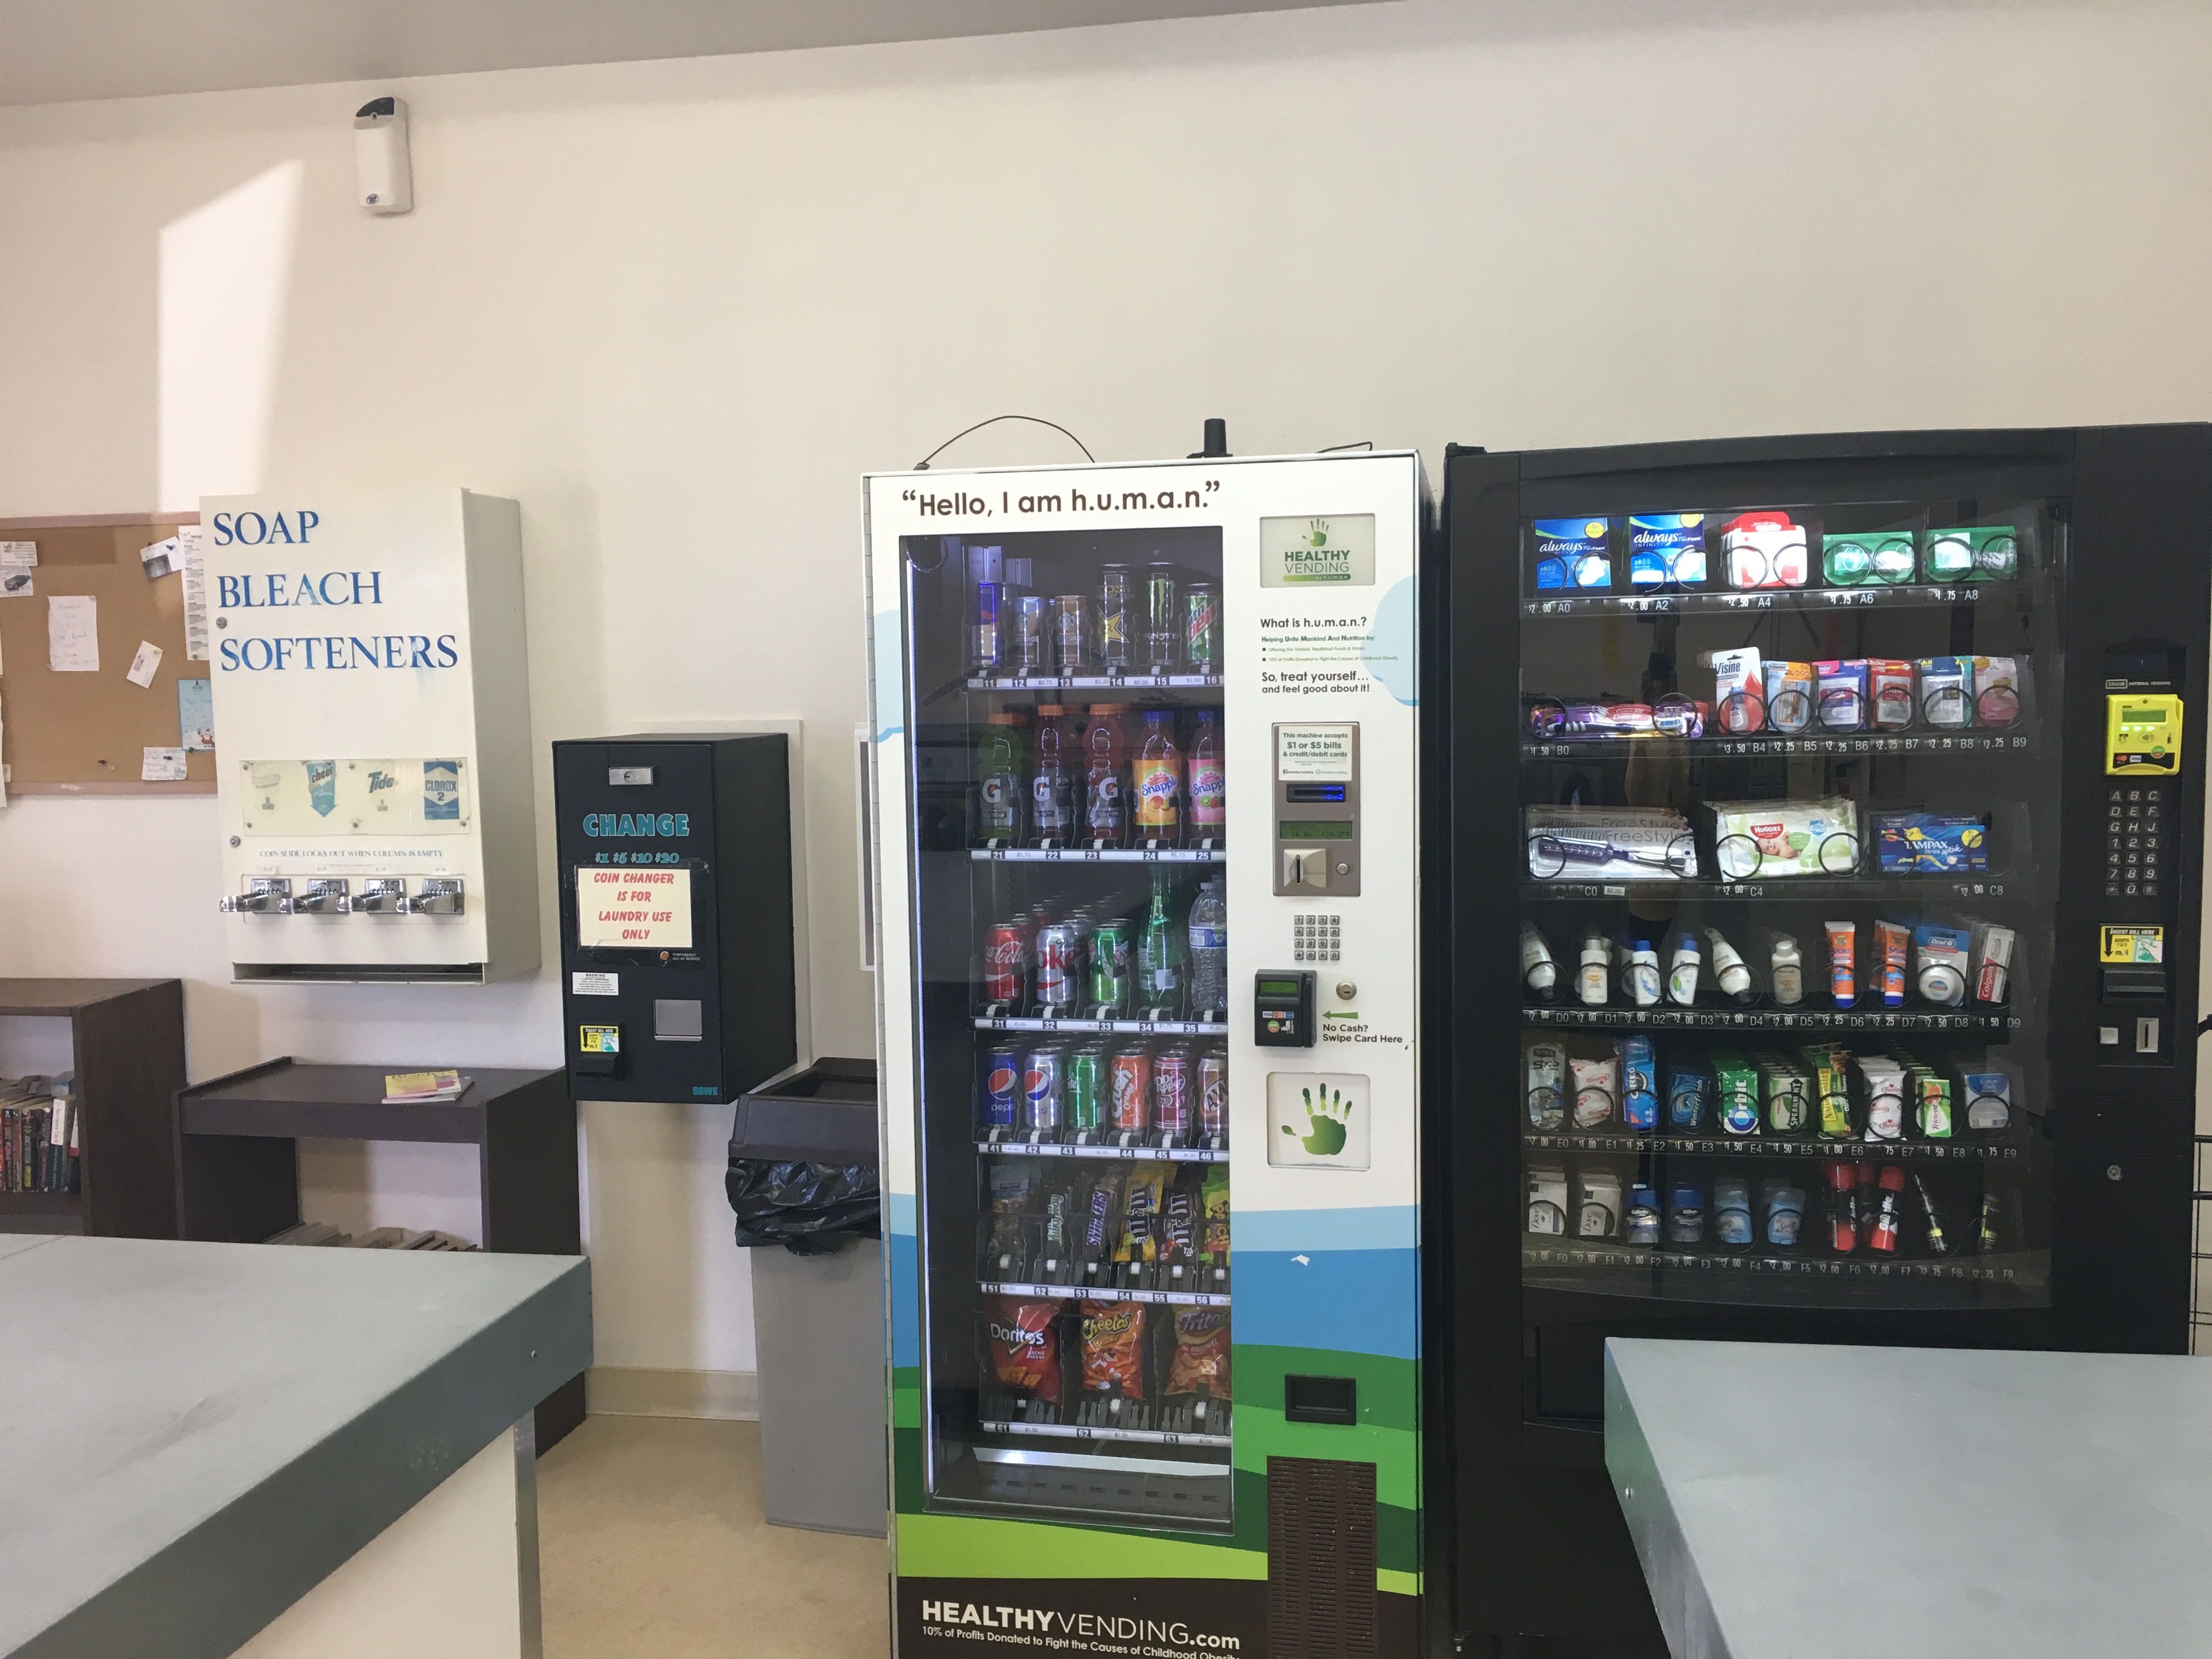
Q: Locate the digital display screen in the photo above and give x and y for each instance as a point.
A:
(2146, 717)
(1315, 829)
(1279, 987)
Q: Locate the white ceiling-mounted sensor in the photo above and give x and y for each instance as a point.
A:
(380, 156)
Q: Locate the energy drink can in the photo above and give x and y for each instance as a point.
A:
(983, 632)
(1071, 632)
(1117, 623)
(1005, 960)
(1032, 641)
(1083, 1089)
(1043, 1090)
(1201, 634)
(1113, 945)
(1164, 622)
(1059, 967)
(1214, 1094)
(1130, 1090)
(1172, 1088)
(1002, 1079)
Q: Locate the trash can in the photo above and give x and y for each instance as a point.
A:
(803, 1183)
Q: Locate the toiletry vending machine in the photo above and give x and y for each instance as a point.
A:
(1145, 850)
(1818, 889)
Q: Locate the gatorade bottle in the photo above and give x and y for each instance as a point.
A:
(1003, 779)
(1052, 780)
(1105, 810)
(1160, 782)
(1208, 792)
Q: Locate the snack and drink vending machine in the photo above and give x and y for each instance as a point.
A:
(1828, 969)
(1146, 848)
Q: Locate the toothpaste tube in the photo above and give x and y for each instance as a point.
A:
(1942, 978)
(1840, 695)
(1639, 1085)
(1893, 940)
(1571, 553)
(1667, 550)
(1889, 691)
(1789, 696)
(1992, 973)
(1843, 962)
(1739, 690)
(1997, 690)
(1945, 702)
(1764, 550)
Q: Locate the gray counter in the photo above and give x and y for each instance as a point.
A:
(1799, 1502)
(196, 1435)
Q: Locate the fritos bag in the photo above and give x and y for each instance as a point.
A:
(1201, 1353)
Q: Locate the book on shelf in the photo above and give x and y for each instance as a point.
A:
(313, 1233)
(408, 1088)
(39, 1134)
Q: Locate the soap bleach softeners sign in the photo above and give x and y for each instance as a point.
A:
(378, 632)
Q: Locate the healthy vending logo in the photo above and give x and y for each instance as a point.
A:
(1319, 1121)
(1333, 551)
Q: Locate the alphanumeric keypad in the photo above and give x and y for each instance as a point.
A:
(1316, 937)
(2138, 850)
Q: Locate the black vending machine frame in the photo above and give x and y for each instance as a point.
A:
(1540, 1560)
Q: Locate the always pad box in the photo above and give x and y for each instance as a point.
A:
(677, 955)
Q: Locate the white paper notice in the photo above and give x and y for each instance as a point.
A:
(160, 559)
(195, 617)
(143, 664)
(73, 634)
(162, 766)
(633, 909)
(595, 985)
(17, 559)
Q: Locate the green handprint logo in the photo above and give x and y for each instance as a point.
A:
(1318, 533)
(1324, 1124)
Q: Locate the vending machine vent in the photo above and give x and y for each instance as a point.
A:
(1321, 1558)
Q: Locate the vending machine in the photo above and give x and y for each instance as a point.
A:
(1820, 853)
(1147, 836)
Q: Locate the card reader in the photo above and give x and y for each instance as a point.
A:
(1283, 1008)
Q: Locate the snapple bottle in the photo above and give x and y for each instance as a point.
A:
(1105, 810)
(1159, 780)
(1208, 794)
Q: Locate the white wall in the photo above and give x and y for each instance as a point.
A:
(675, 308)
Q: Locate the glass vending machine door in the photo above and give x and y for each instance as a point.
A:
(1067, 866)
(1790, 794)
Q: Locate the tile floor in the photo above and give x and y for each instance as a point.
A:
(651, 1546)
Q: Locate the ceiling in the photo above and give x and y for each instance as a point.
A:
(59, 50)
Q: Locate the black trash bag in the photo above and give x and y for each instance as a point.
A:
(811, 1209)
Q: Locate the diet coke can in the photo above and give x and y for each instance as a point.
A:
(1040, 1090)
(1129, 1089)
(1172, 1088)
(1059, 967)
(1005, 960)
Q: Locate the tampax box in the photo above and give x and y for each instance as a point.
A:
(371, 700)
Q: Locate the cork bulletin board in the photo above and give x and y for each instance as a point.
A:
(87, 734)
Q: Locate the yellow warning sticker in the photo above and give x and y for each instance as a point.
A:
(598, 1039)
(2130, 945)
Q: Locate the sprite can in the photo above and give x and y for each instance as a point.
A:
(1113, 947)
(1083, 1088)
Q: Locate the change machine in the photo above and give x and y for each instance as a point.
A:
(1147, 819)
(372, 700)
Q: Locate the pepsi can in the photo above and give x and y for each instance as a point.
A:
(1041, 1091)
(1002, 1085)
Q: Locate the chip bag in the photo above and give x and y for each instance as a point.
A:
(1201, 1353)
(1113, 1349)
(1215, 1194)
(1026, 1347)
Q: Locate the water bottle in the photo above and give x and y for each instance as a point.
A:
(1209, 952)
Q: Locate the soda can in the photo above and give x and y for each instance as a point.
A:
(1083, 1088)
(1031, 651)
(1006, 959)
(1163, 619)
(1002, 1085)
(1117, 621)
(1113, 968)
(1071, 632)
(1041, 1090)
(1201, 633)
(983, 632)
(1214, 1094)
(1059, 966)
(1129, 1089)
(1172, 1088)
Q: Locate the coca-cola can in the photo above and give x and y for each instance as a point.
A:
(1005, 960)
(1041, 1090)
(1214, 1094)
(1172, 1088)
(1130, 1090)
(1059, 965)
